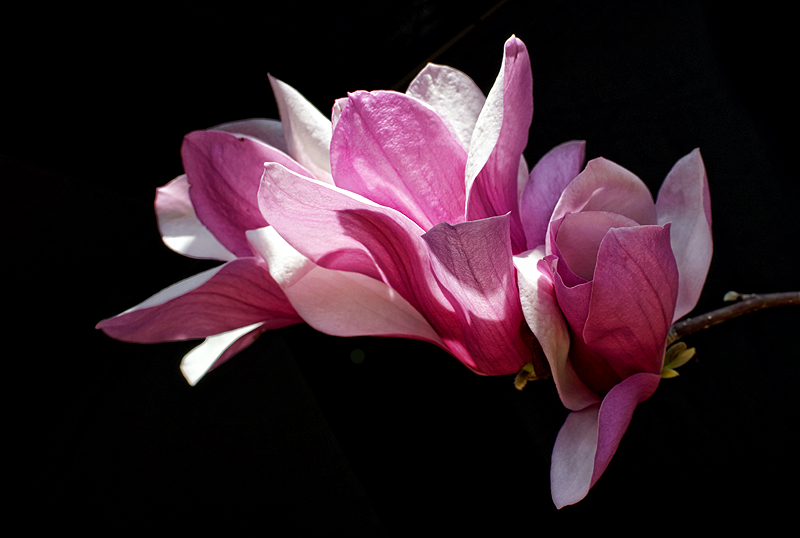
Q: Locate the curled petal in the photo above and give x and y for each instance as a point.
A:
(579, 237)
(180, 228)
(589, 438)
(605, 186)
(307, 131)
(500, 136)
(472, 262)
(544, 317)
(547, 181)
(453, 95)
(397, 152)
(684, 202)
(216, 350)
(224, 171)
(236, 294)
(633, 299)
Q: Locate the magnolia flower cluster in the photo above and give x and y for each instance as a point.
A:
(414, 215)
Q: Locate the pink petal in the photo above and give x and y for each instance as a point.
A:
(544, 317)
(633, 298)
(350, 304)
(605, 186)
(684, 201)
(337, 302)
(268, 131)
(501, 135)
(307, 131)
(341, 230)
(225, 171)
(180, 228)
(397, 152)
(236, 294)
(453, 95)
(472, 262)
(589, 438)
(579, 237)
(547, 181)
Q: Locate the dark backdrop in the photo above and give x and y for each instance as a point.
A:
(291, 431)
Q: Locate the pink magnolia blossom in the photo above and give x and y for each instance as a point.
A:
(441, 158)
(424, 200)
(607, 273)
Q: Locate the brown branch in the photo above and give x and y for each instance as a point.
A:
(748, 303)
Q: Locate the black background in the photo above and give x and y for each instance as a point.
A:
(291, 433)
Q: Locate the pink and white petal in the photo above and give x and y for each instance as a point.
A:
(548, 179)
(337, 302)
(572, 462)
(579, 236)
(589, 438)
(180, 228)
(500, 136)
(216, 350)
(633, 299)
(684, 201)
(236, 294)
(472, 262)
(606, 186)
(286, 265)
(224, 171)
(544, 317)
(341, 303)
(397, 152)
(306, 129)
(268, 131)
(453, 95)
(340, 230)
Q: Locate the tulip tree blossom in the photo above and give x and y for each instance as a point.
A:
(397, 218)
(606, 274)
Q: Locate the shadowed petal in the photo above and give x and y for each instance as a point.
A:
(633, 299)
(307, 131)
(397, 152)
(544, 317)
(547, 181)
(180, 228)
(224, 172)
(684, 201)
(579, 237)
(501, 134)
(589, 438)
(472, 262)
(453, 95)
(236, 294)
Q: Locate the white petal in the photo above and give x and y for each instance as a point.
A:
(199, 361)
(180, 228)
(307, 131)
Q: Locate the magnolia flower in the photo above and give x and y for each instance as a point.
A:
(425, 201)
(412, 155)
(608, 273)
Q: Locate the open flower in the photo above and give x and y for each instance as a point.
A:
(412, 154)
(425, 201)
(608, 273)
